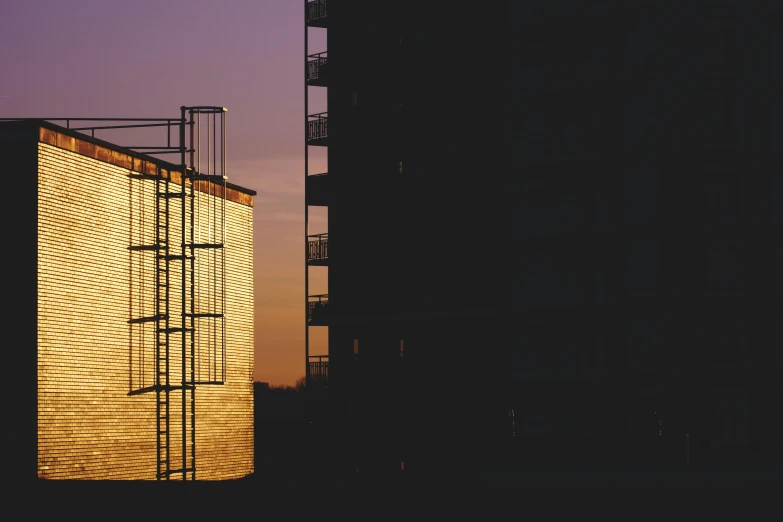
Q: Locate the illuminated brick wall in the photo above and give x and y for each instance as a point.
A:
(90, 359)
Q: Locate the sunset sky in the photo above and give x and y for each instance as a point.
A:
(145, 59)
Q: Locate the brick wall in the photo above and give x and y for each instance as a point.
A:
(90, 359)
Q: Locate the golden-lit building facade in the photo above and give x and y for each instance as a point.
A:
(99, 416)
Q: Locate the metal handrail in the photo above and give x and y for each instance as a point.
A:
(314, 63)
(318, 248)
(137, 123)
(317, 126)
(318, 366)
(316, 9)
(322, 303)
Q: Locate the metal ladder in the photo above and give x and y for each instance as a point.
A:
(178, 263)
(164, 386)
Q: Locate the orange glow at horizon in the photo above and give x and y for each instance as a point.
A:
(280, 269)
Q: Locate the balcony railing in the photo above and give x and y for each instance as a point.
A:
(318, 249)
(317, 130)
(318, 367)
(317, 68)
(316, 13)
(318, 310)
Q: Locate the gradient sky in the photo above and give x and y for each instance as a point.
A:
(145, 59)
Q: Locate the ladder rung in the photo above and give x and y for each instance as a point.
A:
(180, 470)
(145, 319)
(205, 245)
(205, 177)
(136, 175)
(189, 387)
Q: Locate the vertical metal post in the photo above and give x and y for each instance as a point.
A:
(192, 322)
(168, 324)
(211, 263)
(214, 225)
(142, 311)
(183, 311)
(223, 234)
(158, 314)
(197, 168)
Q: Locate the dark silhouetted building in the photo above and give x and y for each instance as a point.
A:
(645, 224)
(562, 213)
(418, 220)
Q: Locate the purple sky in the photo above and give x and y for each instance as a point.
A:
(110, 58)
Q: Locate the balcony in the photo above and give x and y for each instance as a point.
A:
(318, 310)
(317, 129)
(317, 69)
(316, 13)
(317, 191)
(318, 249)
(318, 368)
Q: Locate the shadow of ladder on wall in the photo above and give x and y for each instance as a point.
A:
(179, 260)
